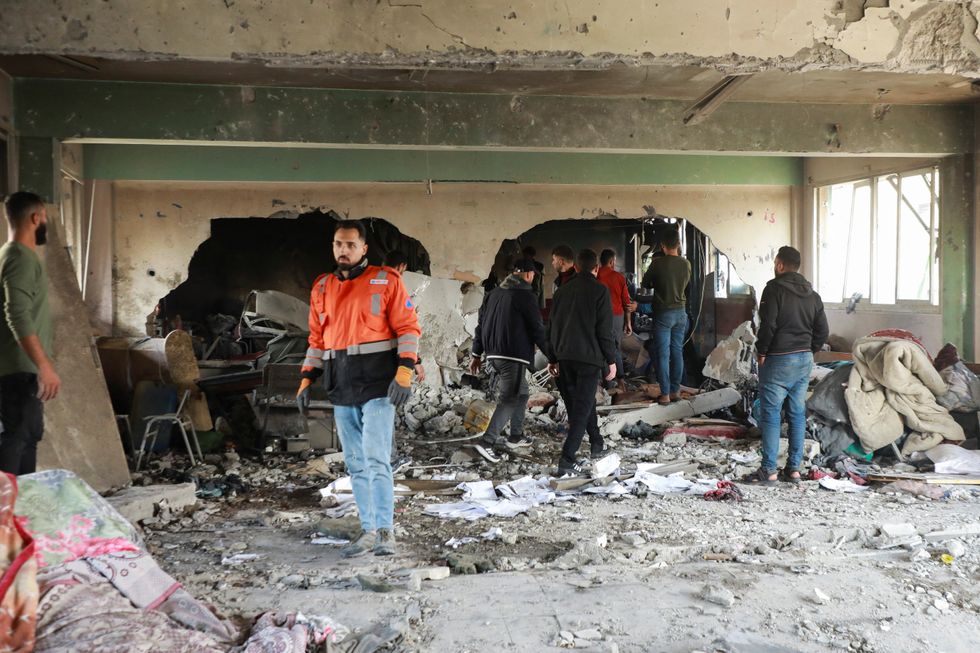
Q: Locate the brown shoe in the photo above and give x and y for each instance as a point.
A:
(675, 396)
(664, 400)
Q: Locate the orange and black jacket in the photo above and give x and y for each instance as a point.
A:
(361, 329)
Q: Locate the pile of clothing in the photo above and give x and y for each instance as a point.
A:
(79, 578)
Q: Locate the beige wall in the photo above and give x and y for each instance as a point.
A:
(159, 225)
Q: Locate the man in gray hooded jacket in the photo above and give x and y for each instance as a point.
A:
(792, 326)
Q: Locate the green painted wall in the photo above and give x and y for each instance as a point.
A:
(36, 171)
(221, 163)
(130, 110)
(958, 258)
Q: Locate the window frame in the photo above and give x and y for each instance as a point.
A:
(935, 239)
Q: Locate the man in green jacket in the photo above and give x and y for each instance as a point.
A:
(27, 376)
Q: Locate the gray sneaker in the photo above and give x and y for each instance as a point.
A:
(385, 546)
(493, 442)
(518, 442)
(360, 546)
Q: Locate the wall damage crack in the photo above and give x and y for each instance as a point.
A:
(456, 37)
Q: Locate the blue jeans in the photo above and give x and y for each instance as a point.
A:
(669, 329)
(365, 434)
(783, 378)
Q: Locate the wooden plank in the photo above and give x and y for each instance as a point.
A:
(832, 356)
(931, 479)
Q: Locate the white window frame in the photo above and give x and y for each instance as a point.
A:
(935, 242)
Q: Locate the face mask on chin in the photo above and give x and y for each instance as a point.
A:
(41, 234)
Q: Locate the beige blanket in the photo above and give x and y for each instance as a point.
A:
(893, 385)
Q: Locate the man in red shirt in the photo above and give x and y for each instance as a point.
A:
(622, 305)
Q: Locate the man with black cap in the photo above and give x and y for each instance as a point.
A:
(508, 328)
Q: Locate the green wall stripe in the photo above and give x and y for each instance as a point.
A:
(230, 163)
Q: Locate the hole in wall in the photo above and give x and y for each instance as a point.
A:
(283, 252)
(717, 299)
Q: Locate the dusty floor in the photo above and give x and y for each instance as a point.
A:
(791, 568)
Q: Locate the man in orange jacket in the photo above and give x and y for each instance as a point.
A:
(364, 340)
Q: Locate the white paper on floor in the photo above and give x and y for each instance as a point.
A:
(838, 485)
(951, 459)
(744, 458)
(606, 466)
(674, 484)
(480, 499)
(332, 541)
(240, 558)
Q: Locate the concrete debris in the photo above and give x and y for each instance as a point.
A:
(658, 414)
(731, 361)
(138, 504)
(718, 595)
(447, 311)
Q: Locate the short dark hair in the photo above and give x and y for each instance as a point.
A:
(20, 205)
(606, 256)
(670, 239)
(790, 257)
(352, 224)
(564, 251)
(530, 252)
(394, 258)
(587, 260)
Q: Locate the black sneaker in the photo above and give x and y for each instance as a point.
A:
(573, 470)
(518, 442)
(601, 453)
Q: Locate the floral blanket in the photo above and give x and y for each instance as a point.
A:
(18, 576)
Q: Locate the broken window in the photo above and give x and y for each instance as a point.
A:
(879, 238)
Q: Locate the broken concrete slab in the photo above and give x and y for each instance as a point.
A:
(731, 360)
(140, 503)
(968, 530)
(447, 311)
(658, 414)
(80, 432)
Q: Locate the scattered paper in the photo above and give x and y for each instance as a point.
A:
(606, 466)
(332, 541)
(493, 534)
(480, 499)
(838, 485)
(744, 458)
(341, 494)
(951, 459)
(478, 491)
(240, 558)
(456, 542)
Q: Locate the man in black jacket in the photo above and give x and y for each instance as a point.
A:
(508, 328)
(581, 351)
(792, 326)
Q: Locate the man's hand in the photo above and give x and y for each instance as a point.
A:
(762, 360)
(419, 372)
(475, 365)
(303, 395)
(612, 372)
(48, 383)
(553, 369)
(633, 306)
(401, 386)
(628, 325)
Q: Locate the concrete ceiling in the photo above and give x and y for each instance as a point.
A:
(653, 81)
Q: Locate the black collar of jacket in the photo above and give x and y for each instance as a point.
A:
(354, 272)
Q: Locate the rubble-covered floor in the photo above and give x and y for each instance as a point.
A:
(801, 567)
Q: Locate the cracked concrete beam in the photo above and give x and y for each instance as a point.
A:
(736, 36)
